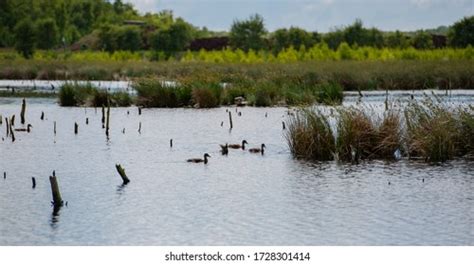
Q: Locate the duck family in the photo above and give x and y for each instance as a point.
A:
(225, 151)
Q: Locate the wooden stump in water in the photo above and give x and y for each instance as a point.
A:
(76, 128)
(23, 110)
(4, 174)
(171, 143)
(103, 116)
(87, 121)
(230, 120)
(122, 174)
(8, 126)
(54, 129)
(42, 115)
(1, 119)
(140, 127)
(108, 119)
(283, 125)
(139, 111)
(12, 120)
(57, 200)
(11, 129)
(33, 180)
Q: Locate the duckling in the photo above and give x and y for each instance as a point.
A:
(238, 146)
(224, 149)
(258, 150)
(199, 160)
(27, 129)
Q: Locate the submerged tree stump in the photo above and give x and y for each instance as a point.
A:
(57, 200)
(8, 126)
(230, 120)
(122, 174)
(140, 127)
(33, 180)
(42, 116)
(23, 110)
(54, 129)
(76, 128)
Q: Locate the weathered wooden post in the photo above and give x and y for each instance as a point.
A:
(283, 125)
(139, 111)
(33, 180)
(122, 174)
(57, 200)
(140, 127)
(4, 175)
(108, 119)
(8, 126)
(103, 116)
(230, 120)
(76, 128)
(87, 121)
(12, 131)
(12, 120)
(54, 129)
(1, 119)
(42, 115)
(23, 110)
(171, 143)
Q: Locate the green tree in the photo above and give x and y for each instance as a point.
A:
(422, 40)
(25, 38)
(279, 40)
(462, 32)
(47, 35)
(356, 34)
(299, 37)
(129, 38)
(334, 38)
(176, 38)
(248, 34)
(396, 40)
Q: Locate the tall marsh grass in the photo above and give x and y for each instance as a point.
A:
(73, 94)
(430, 130)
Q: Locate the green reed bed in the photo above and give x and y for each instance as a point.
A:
(78, 94)
(309, 136)
(350, 75)
(428, 130)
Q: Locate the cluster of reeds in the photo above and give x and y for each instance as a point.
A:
(437, 131)
(430, 130)
(85, 94)
(309, 136)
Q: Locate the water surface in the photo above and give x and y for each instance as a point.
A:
(241, 199)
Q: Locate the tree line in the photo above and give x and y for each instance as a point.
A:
(111, 26)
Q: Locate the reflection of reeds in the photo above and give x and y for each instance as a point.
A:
(309, 136)
(431, 131)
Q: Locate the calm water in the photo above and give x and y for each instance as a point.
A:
(241, 199)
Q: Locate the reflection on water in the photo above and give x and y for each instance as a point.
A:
(238, 199)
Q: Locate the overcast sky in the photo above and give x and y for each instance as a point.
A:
(319, 15)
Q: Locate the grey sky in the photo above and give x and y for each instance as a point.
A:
(320, 15)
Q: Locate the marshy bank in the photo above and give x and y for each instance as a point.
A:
(350, 75)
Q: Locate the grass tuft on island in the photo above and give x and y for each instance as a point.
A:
(430, 130)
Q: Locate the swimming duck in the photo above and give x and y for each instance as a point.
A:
(27, 129)
(199, 160)
(258, 150)
(224, 149)
(238, 146)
